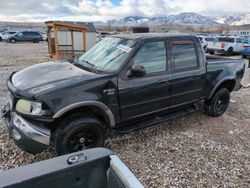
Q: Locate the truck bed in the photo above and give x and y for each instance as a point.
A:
(217, 59)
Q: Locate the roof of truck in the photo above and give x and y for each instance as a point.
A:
(137, 36)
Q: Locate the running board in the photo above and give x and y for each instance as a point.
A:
(158, 119)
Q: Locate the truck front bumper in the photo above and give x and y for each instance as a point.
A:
(29, 136)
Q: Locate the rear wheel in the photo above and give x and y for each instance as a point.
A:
(229, 52)
(36, 41)
(13, 40)
(211, 52)
(1, 39)
(218, 104)
(244, 56)
(77, 133)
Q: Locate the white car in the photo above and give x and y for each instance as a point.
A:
(205, 39)
(6, 34)
(227, 45)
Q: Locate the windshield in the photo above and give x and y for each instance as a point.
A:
(107, 55)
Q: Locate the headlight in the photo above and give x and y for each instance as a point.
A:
(29, 107)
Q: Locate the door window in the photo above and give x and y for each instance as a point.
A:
(241, 40)
(20, 34)
(184, 56)
(152, 56)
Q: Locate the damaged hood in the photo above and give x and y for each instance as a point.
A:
(44, 76)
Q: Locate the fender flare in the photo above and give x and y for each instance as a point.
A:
(97, 104)
(219, 84)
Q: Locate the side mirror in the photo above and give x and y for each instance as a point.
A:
(137, 71)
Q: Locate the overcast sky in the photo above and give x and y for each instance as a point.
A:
(103, 10)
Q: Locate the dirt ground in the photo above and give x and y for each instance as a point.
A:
(191, 151)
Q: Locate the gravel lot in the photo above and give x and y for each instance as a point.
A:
(192, 151)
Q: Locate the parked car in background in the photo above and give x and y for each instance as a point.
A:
(25, 36)
(245, 53)
(227, 45)
(124, 83)
(205, 39)
(6, 34)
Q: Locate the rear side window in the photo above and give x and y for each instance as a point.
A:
(184, 56)
(35, 34)
(224, 39)
(26, 33)
(152, 56)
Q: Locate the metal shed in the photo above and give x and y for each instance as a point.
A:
(69, 39)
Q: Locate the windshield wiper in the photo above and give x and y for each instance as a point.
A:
(92, 66)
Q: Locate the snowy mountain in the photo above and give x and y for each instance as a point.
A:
(134, 19)
(183, 18)
(237, 19)
(190, 18)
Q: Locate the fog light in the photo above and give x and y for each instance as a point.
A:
(16, 135)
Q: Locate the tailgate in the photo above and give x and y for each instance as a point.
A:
(215, 45)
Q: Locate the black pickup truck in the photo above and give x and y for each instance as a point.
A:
(125, 82)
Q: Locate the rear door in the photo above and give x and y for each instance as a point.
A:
(189, 72)
(28, 36)
(140, 96)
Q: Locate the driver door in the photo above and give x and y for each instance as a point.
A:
(145, 95)
(19, 36)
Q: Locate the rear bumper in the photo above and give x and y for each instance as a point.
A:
(30, 137)
(216, 50)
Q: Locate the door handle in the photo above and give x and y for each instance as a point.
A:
(162, 82)
(196, 76)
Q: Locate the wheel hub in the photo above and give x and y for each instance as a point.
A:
(81, 140)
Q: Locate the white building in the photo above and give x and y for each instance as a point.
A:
(237, 32)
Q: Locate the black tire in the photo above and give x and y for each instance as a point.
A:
(244, 56)
(13, 40)
(229, 52)
(211, 52)
(218, 104)
(77, 133)
(36, 41)
(1, 39)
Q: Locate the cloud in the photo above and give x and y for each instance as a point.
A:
(103, 10)
(214, 6)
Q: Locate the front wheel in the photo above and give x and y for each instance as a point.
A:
(13, 40)
(218, 104)
(78, 133)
